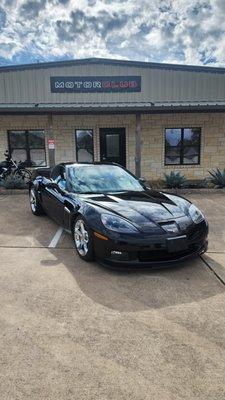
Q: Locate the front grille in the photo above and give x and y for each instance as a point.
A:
(163, 255)
(196, 232)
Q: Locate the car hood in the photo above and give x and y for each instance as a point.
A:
(140, 207)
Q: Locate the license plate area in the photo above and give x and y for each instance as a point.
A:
(176, 244)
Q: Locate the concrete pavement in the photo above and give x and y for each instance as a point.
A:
(73, 330)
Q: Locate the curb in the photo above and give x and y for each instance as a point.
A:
(193, 191)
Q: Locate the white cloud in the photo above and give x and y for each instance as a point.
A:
(161, 30)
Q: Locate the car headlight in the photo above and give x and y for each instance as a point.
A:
(115, 223)
(195, 214)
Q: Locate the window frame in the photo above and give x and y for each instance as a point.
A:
(27, 147)
(183, 146)
(76, 149)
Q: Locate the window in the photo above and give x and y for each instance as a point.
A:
(84, 145)
(182, 146)
(28, 147)
(58, 174)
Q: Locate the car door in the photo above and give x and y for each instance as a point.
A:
(54, 198)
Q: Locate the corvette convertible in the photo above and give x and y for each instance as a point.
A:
(115, 219)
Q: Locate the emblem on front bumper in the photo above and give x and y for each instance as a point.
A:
(170, 228)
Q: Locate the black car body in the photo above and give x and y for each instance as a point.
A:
(140, 227)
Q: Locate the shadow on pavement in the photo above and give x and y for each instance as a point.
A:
(143, 289)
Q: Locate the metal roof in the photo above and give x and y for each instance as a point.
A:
(106, 61)
(112, 107)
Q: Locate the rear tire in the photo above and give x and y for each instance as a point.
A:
(83, 239)
(23, 174)
(35, 206)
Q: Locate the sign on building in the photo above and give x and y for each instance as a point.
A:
(51, 144)
(94, 84)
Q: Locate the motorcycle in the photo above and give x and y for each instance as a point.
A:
(14, 169)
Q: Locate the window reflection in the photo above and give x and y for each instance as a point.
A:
(173, 137)
(28, 146)
(84, 145)
(182, 146)
(190, 155)
(102, 178)
(113, 145)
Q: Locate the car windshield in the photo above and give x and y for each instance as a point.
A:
(102, 178)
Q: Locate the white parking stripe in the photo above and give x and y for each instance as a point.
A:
(56, 238)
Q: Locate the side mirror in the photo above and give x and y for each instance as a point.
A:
(142, 180)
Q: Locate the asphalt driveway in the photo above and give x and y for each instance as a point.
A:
(73, 330)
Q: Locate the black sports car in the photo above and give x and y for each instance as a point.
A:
(115, 219)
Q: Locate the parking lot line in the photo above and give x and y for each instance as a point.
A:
(56, 238)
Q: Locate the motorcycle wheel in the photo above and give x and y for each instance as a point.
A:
(23, 174)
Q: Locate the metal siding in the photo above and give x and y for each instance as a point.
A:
(2, 88)
(27, 87)
(33, 86)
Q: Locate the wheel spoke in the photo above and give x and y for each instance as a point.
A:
(82, 228)
(78, 232)
(85, 247)
(86, 239)
(79, 245)
(33, 201)
(81, 238)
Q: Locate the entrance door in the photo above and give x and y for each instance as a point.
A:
(113, 145)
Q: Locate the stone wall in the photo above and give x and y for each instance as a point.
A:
(64, 130)
(212, 143)
(153, 127)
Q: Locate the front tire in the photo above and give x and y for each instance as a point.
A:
(83, 240)
(35, 206)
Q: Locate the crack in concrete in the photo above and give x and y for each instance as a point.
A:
(213, 271)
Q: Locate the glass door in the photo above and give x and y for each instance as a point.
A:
(113, 145)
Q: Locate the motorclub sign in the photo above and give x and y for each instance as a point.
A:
(94, 84)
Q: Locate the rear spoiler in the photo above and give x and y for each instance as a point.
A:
(41, 171)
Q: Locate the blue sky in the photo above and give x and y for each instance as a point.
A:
(174, 31)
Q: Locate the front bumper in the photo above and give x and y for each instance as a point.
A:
(150, 251)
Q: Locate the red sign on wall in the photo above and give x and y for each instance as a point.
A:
(51, 144)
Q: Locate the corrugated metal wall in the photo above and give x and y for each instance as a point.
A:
(33, 86)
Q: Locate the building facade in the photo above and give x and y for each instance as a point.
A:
(151, 118)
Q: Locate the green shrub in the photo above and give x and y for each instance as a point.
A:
(175, 180)
(217, 178)
(10, 182)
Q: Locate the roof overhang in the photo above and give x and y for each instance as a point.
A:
(111, 108)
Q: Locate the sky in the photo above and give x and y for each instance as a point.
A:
(170, 31)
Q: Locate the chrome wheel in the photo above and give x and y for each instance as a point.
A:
(33, 200)
(81, 237)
